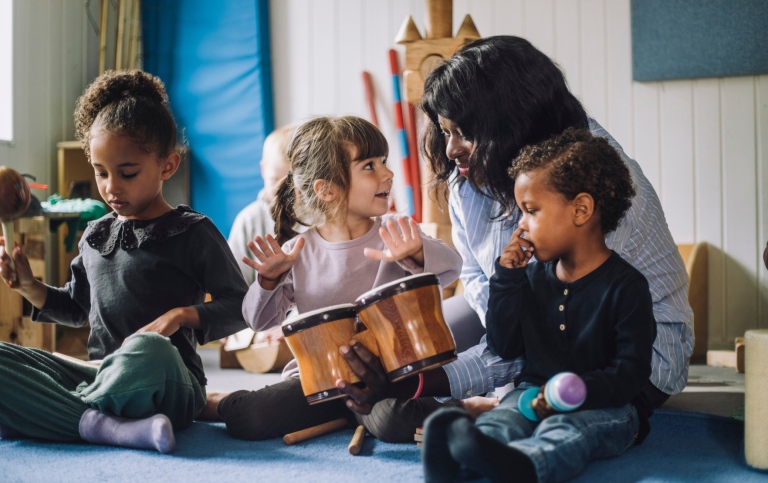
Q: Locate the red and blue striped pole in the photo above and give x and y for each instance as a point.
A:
(401, 129)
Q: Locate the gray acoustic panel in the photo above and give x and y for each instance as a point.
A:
(686, 39)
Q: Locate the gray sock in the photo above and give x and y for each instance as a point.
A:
(7, 432)
(154, 432)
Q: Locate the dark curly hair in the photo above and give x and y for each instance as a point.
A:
(130, 103)
(504, 94)
(578, 162)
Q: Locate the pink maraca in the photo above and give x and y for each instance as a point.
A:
(564, 392)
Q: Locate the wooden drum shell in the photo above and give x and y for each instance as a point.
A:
(410, 330)
(316, 350)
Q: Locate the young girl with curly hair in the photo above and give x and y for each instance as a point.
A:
(140, 281)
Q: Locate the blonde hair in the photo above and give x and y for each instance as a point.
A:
(319, 149)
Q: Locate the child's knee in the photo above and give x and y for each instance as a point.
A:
(158, 347)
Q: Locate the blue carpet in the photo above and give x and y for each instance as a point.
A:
(681, 447)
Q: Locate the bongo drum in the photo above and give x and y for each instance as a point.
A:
(315, 338)
(406, 317)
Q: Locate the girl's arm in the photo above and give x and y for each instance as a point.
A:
(264, 308)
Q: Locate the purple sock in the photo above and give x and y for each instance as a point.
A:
(7, 432)
(154, 432)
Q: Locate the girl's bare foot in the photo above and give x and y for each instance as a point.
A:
(209, 412)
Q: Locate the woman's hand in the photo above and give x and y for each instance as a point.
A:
(272, 262)
(368, 368)
(517, 252)
(403, 240)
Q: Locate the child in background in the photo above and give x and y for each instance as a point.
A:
(340, 184)
(579, 308)
(140, 280)
(256, 218)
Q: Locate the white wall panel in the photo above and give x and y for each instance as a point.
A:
(708, 192)
(676, 165)
(593, 59)
(618, 67)
(740, 204)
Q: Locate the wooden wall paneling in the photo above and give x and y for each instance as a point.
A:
(618, 120)
(677, 169)
(762, 196)
(646, 130)
(740, 209)
(568, 43)
(708, 194)
(324, 36)
(539, 25)
(350, 67)
(593, 59)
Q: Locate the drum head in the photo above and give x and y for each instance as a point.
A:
(396, 287)
(318, 317)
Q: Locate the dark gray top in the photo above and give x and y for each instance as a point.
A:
(131, 272)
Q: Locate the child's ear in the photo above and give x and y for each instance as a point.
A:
(324, 190)
(584, 208)
(170, 165)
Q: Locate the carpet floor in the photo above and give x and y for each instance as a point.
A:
(682, 446)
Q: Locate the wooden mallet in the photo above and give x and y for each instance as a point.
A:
(314, 431)
(14, 201)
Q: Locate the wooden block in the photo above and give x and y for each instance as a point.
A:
(740, 347)
(721, 358)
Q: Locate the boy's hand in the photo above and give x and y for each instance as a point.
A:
(20, 276)
(402, 240)
(272, 262)
(541, 406)
(517, 252)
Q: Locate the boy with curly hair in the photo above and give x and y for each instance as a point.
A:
(581, 308)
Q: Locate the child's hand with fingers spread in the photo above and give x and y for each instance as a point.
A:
(513, 255)
(272, 262)
(403, 240)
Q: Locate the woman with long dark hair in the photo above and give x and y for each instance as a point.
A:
(489, 100)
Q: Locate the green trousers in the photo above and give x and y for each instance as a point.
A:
(43, 396)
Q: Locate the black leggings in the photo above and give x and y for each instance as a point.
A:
(281, 408)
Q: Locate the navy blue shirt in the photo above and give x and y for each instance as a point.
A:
(600, 327)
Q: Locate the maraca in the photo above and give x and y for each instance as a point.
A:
(564, 392)
(14, 200)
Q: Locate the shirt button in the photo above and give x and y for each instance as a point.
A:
(469, 393)
(562, 307)
(562, 326)
(565, 292)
